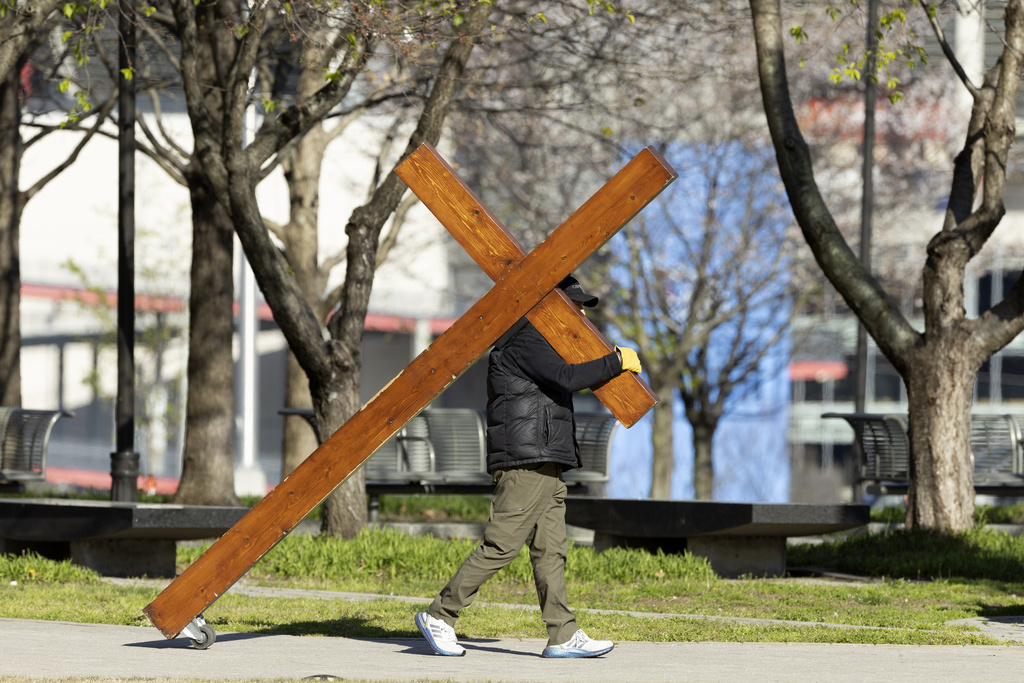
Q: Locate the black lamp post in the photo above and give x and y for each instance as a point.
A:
(124, 461)
(867, 198)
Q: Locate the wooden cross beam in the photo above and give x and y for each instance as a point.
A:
(523, 284)
(495, 250)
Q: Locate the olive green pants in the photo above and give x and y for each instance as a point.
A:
(527, 508)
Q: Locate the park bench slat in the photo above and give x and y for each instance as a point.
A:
(24, 441)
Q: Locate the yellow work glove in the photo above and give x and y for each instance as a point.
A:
(630, 361)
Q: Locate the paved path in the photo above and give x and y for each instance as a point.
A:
(52, 649)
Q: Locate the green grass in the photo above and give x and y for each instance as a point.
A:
(416, 564)
(999, 514)
(981, 554)
(916, 582)
(890, 515)
(429, 508)
(33, 569)
(983, 514)
(920, 582)
(99, 602)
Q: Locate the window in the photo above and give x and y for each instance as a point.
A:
(813, 391)
(846, 385)
(887, 381)
(1013, 378)
(992, 287)
(983, 382)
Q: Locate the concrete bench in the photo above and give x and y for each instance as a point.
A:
(997, 451)
(24, 440)
(115, 539)
(736, 538)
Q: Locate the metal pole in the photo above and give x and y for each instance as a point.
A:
(247, 360)
(124, 461)
(866, 206)
(249, 477)
(867, 198)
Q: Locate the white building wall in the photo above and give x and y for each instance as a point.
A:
(74, 219)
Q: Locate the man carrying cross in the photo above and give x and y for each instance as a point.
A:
(525, 285)
(531, 440)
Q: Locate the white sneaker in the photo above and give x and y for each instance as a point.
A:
(440, 635)
(580, 645)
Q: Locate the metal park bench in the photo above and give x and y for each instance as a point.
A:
(444, 450)
(997, 451)
(24, 439)
(435, 448)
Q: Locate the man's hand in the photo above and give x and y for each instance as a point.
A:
(630, 361)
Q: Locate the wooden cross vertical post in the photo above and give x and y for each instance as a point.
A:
(522, 283)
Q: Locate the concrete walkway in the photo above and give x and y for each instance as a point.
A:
(61, 650)
(51, 649)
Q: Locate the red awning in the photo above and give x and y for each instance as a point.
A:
(375, 322)
(818, 370)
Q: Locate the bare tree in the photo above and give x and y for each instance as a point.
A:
(207, 476)
(282, 60)
(24, 27)
(231, 171)
(703, 290)
(939, 364)
(653, 81)
(299, 237)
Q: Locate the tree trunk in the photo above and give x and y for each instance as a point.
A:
(208, 466)
(703, 467)
(301, 244)
(664, 459)
(344, 512)
(940, 391)
(10, 221)
(941, 494)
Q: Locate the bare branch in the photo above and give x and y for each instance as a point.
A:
(169, 55)
(101, 117)
(276, 229)
(172, 147)
(397, 222)
(947, 50)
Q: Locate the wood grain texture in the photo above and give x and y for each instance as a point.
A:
(522, 286)
(627, 396)
(494, 249)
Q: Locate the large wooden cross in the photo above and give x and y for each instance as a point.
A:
(525, 285)
(495, 250)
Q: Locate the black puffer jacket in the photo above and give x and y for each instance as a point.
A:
(529, 401)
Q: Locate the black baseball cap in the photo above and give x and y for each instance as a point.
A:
(574, 291)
